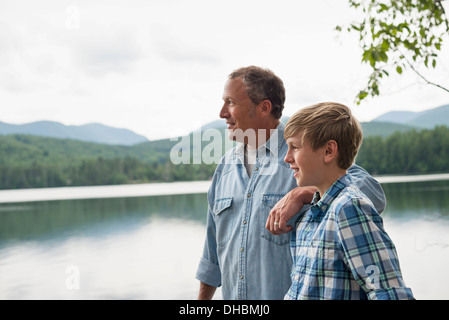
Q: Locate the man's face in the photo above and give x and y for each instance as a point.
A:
(305, 162)
(238, 109)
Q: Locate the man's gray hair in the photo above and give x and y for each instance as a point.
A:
(263, 84)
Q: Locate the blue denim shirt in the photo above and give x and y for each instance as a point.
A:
(239, 253)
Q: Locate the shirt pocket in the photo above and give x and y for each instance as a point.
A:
(269, 200)
(224, 219)
(324, 258)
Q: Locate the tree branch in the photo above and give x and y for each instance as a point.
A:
(422, 77)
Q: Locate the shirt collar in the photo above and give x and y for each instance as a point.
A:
(321, 205)
(273, 144)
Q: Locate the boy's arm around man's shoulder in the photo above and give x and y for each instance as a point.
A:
(294, 201)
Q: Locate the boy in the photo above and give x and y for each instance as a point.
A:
(340, 249)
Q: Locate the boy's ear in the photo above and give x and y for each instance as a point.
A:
(331, 151)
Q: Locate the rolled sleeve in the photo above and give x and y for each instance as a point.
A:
(391, 294)
(209, 273)
(208, 270)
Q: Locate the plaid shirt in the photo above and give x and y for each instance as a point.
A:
(341, 251)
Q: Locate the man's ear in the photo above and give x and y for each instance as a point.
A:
(331, 151)
(265, 107)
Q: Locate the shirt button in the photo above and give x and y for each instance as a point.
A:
(249, 195)
(241, 249)
(241, 277)
(256, 168)
(245, 222)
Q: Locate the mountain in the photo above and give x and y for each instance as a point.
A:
(396, 117)
(431, 118)
(92, 132)
(383, 129)
(34, 161)
(374, 128)
(383, 126)
(377, 128)
(427, 119)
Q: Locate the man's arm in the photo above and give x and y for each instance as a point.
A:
(206, 291)
(287, 207)
(208, 272)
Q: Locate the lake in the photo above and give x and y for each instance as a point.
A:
(148, 247)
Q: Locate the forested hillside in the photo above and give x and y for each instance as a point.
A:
(33, 162)
(411, 152)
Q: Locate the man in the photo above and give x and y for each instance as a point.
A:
(240, 254)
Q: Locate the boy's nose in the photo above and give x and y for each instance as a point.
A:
(288, 158)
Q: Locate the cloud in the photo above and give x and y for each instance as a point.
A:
(26, 60)
(183, 48)
(152, 66)
(98, 51)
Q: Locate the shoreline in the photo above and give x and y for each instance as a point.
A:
(101, 192)
(413, 178)
(151, 189)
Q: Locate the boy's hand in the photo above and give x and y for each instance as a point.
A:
(287, 207)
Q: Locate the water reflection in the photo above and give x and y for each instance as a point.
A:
(149, 247)
(127, 248)
(46, 220)
(417, 200)
(417, 220)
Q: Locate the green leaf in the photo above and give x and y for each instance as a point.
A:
(362, 95)
(353, 26)
(366, 56)
(383, 7)
(399, 69)
(375, 55)
(383, 56)
(434, 63)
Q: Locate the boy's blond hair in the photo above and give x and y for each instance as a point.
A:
(328, 121)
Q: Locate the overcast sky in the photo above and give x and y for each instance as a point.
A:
(158, 67)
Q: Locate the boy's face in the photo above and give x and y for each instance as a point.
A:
(306, 163)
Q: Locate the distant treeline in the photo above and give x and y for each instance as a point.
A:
(100, 172)
(411, 152)
(34, 162)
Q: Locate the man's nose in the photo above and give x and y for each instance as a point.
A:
(224, 112)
